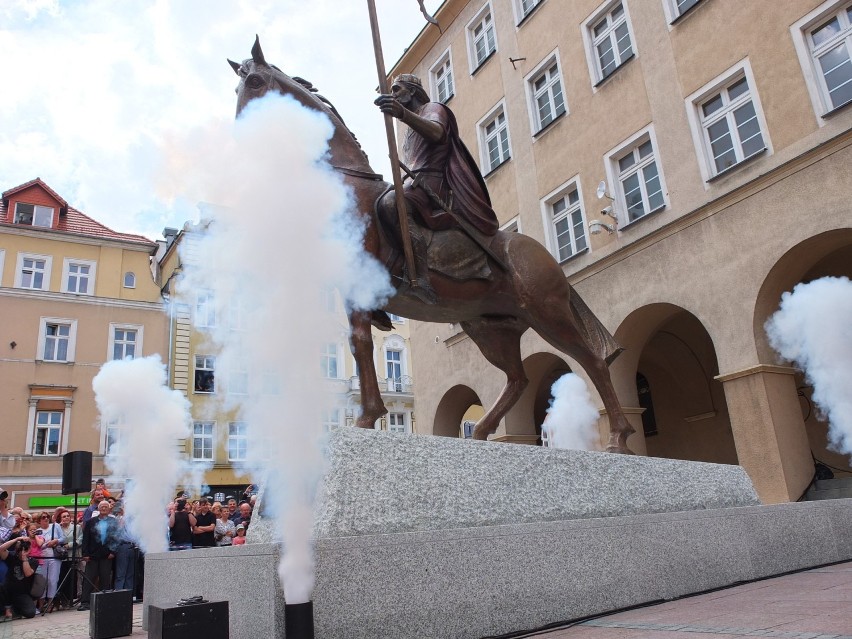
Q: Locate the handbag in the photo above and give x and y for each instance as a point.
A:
(60, 552)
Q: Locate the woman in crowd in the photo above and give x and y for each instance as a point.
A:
(73, 534)
(225, 529)
(52, 537)
(36, 543)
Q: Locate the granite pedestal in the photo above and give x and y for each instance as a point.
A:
(427, 537)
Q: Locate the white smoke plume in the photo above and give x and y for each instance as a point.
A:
(281, 233)
(572, 418)
(813, 329)
(134, 395)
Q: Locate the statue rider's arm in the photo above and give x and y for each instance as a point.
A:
(429, 129)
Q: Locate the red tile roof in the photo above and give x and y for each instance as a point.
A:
(73, 221)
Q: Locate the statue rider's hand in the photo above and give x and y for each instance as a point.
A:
(390, 105)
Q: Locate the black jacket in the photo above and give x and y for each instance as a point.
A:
(100, 537)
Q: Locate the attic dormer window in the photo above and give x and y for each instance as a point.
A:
(33, 215)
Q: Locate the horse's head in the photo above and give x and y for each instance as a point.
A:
(257, 78)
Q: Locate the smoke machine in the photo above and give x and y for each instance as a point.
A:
(299, 620)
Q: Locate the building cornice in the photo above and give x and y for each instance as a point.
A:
(756, 370)
(88, 300)
(65, 236)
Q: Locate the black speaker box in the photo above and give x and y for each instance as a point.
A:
(76, 472)
(208, 620)
(111, 614)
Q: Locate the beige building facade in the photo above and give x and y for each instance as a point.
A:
(74, 294)
(721, 132)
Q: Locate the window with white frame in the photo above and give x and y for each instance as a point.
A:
(238, 313)
(78, 276)
(330, 419)
(829, 43)
(676, 8)
(57, 339)
(205, 374)
(115, 433)
(396, 319)
(442, 78)
(205, 309)
(512, 226)
(494, 139)
(567, 222)
(396, 423)
(202, 441)
(238, 376)
(48, 432)
(481, 39)
(130, 280)
(125, 341)
(33, 271)
(33, 215)
(639, 179)
(729, 121)
(328, 361)
(525, 7)
(393, 366)
(609, 40)
(2, 264)
(545, 87)
(237, 441)
(328, 300)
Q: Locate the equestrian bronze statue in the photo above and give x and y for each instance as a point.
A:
(494, 284)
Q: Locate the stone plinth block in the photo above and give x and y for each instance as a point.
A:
(381, 482)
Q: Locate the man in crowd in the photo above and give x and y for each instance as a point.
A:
(245, 515)
(205, 523)
(181, 523)
(233, 513)
(100, 541)
(20, 575)
(92, 509)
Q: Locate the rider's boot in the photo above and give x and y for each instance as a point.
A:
(423, 291)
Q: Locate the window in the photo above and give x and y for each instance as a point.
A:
(328, 300)
(330, 420)
(2, 264)
(467, 429)
(396, 319)
(525, 7)
(442, 78)
(727, 121)
(33, 271)
(608, 39)
(494, 139)
(393, 362)
(481, 40)
(238, 377)
(130, 280)
(545, 87)
(202, 441)
(125, 341)
(237, 441)
(33, 215)
(566, 222)
(115, 433)
(639, 180)
(57, 339)
(328, 365)
(823, 41)
(396, 423)
(47, 432)
(78, 276)
(676, 8)
(512, 226)
(205, 309)
(205, 366)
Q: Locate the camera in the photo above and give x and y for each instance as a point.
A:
(180, 504)
(23, 545)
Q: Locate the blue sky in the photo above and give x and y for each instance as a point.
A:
(95, 87)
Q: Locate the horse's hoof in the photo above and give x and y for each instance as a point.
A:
(620, 449)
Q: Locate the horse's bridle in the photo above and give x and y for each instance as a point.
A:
(367, 175)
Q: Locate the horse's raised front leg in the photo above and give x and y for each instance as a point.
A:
(361, 343)
(500, 343)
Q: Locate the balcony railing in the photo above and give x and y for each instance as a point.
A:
(403, 384)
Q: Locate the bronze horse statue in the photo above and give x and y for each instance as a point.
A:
(530, 292)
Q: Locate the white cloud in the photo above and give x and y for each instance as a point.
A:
(95, 87)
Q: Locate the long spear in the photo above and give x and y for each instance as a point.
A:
(392, 151)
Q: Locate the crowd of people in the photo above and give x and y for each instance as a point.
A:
(39, 550)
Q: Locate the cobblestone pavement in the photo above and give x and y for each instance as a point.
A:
(64, 624)
(815, 604)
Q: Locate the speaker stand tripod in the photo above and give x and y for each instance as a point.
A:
(75, 569)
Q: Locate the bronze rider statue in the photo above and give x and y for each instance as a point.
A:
(443, 186)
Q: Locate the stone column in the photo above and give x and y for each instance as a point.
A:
(769, 432)
(636, 441)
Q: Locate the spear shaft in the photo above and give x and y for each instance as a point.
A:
(393, 154)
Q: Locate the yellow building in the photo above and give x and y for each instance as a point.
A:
(719, 131)
(219, 438)
(74, 294)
